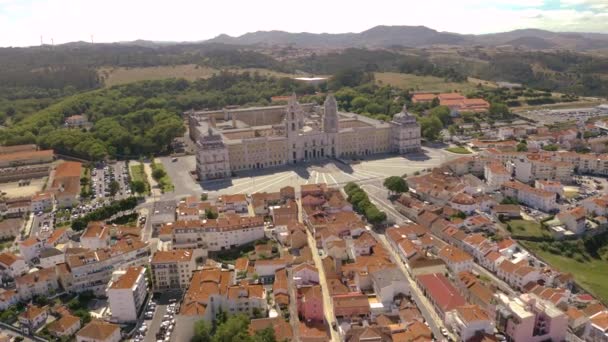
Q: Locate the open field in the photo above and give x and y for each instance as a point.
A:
(13, 189)
(421, 83)
(591, 274)
(138, 174)
(165, 181)
(114, 76)
(526, 228)
(562, 105)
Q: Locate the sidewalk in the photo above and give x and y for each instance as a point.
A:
(154, 189)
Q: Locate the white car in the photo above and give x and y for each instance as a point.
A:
(444, 332)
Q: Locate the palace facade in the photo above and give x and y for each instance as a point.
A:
(263, 137)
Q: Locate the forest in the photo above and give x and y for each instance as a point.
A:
(140, 118)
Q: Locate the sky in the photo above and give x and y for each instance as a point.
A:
(23, 22)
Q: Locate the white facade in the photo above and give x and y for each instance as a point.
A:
(496, 175)
(127, 294)
(467, 321)
(12, 265)
(532, 197)
(172, 269)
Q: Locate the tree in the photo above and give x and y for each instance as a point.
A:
(396, 184)
(350, 186)
(114, 187)
(435, 102)
(521, 147)
(158, 173)
(430, 127)
(138, 186)
(499, 110)
(442, 113)
(374, 215)
(204, 197)
(210, 214)
(202, 332)
(234, 329)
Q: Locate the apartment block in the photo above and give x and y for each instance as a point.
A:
(172, 270)
(127, 293)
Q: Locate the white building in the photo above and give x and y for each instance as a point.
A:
(41, 282)
(223, 233)
(597, 328)
(49, 257)
(468, 320)
(93, 269)
(496, 175)
(31, 247)
(172, 270)
(532, 197)
(42, 202)
(97, 235)
(127, 293)
(456, 259)
(305, 274)
(12, 265)
(388, 283)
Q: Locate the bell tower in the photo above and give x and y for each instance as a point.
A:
(330, 117)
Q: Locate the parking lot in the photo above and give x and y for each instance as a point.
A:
(163, 320)
(102, 178)
(329, 171)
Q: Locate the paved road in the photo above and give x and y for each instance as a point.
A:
(328, 305)
(423, 304)
(294, 320)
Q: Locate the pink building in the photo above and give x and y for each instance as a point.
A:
(310, 304)
(529, 318)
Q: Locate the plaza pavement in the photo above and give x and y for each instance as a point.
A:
(332, 172)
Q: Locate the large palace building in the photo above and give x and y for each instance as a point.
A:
(232, 140)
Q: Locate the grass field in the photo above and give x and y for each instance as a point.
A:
(458, 149)
(138, 174)
(590, 274)
(114, 76)
(421, 83)
(527, 228)
(164, 182)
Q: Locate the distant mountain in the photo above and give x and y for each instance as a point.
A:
(420, 36)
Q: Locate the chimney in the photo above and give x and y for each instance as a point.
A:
(233, 120)
(212, 121)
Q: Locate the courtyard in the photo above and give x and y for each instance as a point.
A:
(332, 172)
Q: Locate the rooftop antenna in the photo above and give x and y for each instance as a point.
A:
(52, 42)
(92, 39)
(41, 41)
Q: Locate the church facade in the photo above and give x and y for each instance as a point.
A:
(255, 138)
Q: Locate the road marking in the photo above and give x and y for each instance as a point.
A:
(324, 179)
(271, 181)
(271, 184)
(317, 177)
(332, 178)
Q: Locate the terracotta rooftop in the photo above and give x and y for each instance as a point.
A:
(127, 280)
(282, 330)
(600, 320)
(451, 254)
(8, 258)
(472, 313)
(25, 155)
(68, 169)
(183, 255)
(98, 330)
(63, 324)
(442, 291)
(33, 311)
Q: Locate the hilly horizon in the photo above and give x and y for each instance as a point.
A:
(419, 36)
